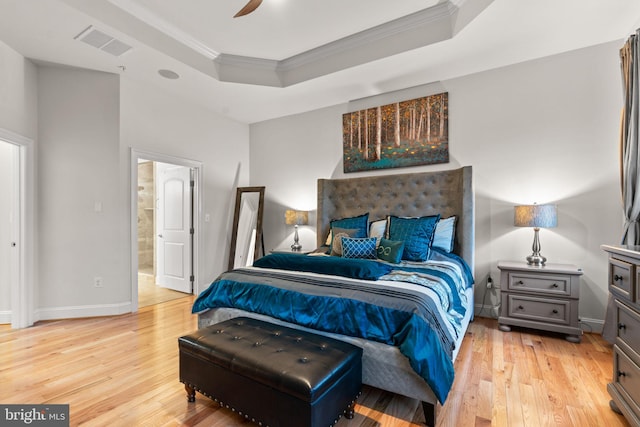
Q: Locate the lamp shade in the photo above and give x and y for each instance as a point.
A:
(292, 217)
(539, 216)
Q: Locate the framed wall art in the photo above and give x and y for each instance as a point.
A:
(402, 134)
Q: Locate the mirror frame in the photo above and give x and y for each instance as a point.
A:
(236, 217)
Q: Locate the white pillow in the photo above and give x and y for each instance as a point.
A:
(377, 229)
(444, 235)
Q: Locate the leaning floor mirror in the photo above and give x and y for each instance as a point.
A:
(246, 236)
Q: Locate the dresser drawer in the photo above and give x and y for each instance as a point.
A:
(628, 330)
(626, 378)
(552, 285)
(539, 309)
(621, 278)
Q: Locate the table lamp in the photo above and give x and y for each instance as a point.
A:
(536, 216)
(296, 218)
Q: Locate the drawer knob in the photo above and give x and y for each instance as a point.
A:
(555, 285)
(622, 326)
(622, 374)
(617, 278)
(554, 311)
(520, 307)
(519, 282)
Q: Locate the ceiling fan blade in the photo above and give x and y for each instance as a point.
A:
(249, 7)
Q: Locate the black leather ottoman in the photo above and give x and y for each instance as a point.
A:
(273, 375)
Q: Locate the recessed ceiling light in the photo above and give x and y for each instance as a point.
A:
(168, 74)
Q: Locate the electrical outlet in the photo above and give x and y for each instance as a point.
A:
(489, 282)
(97, 282)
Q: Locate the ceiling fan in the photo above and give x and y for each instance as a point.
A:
(248, 8)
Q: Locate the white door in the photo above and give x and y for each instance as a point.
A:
(9, 227)
(174, 227)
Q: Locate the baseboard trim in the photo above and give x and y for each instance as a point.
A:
(490, 311)
(5, 317)
(56, 313)
(592, 325)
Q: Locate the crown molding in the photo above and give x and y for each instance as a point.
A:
(160, 24)
(410, 32)
(421, 21)
(423, 28)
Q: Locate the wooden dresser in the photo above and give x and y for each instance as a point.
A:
(540, 297)
(624, 286)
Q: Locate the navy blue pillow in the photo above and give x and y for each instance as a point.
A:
(359, 223)
(416, 233)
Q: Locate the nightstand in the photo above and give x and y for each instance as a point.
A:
(287, 250)
(540, 297)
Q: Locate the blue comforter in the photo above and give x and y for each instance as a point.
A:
(416, 307)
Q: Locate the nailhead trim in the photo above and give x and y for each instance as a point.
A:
(253, 420)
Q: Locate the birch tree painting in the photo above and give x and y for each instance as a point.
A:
(408, 133)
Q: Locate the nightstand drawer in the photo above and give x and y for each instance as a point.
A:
(539, 309)
(540, 284)
(626, 378)
(628, 330)
(621, 277)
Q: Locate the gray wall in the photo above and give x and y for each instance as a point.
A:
(84, 124)
(540, 131)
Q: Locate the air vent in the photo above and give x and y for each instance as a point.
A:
(103, 41)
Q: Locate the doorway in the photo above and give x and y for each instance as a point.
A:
(8, 256)
(166, 226)
(17, 230)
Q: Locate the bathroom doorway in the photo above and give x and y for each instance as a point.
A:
(166, 225)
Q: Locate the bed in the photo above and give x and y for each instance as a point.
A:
(397, 364)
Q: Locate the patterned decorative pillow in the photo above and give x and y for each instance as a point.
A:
(416, 233)
(444, 235)
(390, 250)
(359, 247)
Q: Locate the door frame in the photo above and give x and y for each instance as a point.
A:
(23, 290)
(197, 213)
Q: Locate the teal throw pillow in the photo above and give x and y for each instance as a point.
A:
(359, 223)
(359, 248)
(390, 250)
(416, 233)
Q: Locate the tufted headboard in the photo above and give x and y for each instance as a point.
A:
(447, 193)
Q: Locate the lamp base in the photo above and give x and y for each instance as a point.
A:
(296, 247)
(536, 259)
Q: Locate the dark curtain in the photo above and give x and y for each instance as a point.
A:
(629, 153)
(629, 161)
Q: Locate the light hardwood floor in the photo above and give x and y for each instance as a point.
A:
(123, 371)
(149, 293)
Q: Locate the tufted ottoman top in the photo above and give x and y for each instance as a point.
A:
(298, 363)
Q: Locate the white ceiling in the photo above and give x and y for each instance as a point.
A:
(331, 51)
